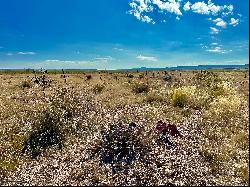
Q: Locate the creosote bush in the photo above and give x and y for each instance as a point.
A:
(140, 88)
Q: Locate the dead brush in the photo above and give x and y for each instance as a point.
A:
(88, 77)
(120, 144)
(154, 98)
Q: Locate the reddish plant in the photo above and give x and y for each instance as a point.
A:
(164, 128)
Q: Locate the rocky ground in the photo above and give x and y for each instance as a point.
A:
(74, 129)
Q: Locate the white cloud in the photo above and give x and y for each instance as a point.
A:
(211, 9)
(147, 58)
(234, 22)
(200, 8)
(170, 6)
(214, 43)
(146, 19)
(221, 24)
(214, 30)
(146, 10)
(218, 49)
(26, 53)
(217, 20)
(52, 60)
(142, 9)
(186, 7)
(139, 7)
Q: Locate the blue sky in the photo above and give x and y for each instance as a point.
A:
(114, 34)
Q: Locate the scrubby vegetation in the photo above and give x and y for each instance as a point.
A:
(140, 88)
(125, 129)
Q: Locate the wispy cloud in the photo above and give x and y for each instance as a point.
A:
(20, 53)
(147, 58)
(95, 62)
(214, 43)
(26, 53)
(218, 49)
(213, 30)
(9, 54)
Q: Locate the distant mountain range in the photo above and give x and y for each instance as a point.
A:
(198, 67)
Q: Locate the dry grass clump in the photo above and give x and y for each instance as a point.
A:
(230, 129)
(154, 98)
(98, 88)
(225, 107)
